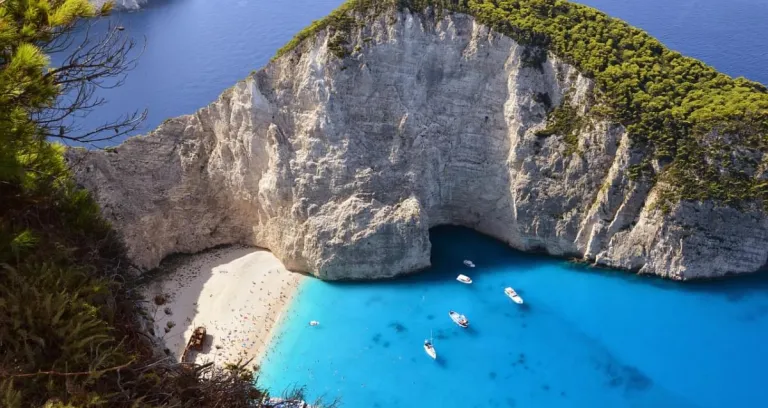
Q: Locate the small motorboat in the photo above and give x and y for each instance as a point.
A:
(459, 319)
(430, 349)
(314, 323)
(469, 263)
(464, 279)
(120, 28)
(513, 295)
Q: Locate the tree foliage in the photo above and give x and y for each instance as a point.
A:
(707, 130)
(70, 327)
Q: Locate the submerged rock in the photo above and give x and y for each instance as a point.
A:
(341, 165)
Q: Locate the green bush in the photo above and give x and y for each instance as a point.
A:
(565, 121)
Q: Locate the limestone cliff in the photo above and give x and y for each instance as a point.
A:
(341, 165)
(121, 4)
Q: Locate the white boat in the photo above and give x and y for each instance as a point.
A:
(464, 279)
(513, 295)
(314, 323)
(469, 263)
(459, 319)
(430, 349)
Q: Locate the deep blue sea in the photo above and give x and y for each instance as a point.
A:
(195, 49)
(584, 338)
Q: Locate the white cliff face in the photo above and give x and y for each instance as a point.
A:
(340, 167)
(121, 4)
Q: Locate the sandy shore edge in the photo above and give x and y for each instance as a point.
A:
(238, 294)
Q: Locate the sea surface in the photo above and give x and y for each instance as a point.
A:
(585, 337)
(195, 49)
(190, 51)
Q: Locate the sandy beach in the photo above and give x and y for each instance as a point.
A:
(238, 294)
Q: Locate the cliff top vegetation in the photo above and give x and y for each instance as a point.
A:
(706, 130)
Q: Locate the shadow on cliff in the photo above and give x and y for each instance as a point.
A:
(451, 245)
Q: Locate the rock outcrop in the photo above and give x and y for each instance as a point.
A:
(121, 4)
(341, 165)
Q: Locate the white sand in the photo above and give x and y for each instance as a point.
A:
(236, 293)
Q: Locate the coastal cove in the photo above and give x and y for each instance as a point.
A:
(356, 155)
(383, 203)
(584, 337)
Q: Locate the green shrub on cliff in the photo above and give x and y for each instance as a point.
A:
(706, 127)
(55, 251)
(69, 333)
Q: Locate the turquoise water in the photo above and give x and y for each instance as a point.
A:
(585, 337)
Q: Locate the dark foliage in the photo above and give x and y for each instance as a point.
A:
(70, 313)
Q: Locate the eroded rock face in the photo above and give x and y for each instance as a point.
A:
(341, 166)
(121, 4)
